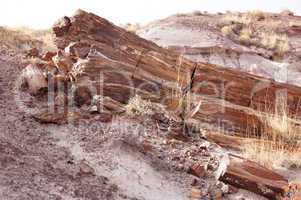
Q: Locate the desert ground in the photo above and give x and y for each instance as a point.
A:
(193, 106)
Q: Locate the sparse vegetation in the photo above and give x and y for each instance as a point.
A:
(256, 14)
(139, 107)
(244, 18)
(248, 30)
(245, 35)
(24, 38)
(274, 41)
(227, 30)
(237, 18)
(132, 27)
(197, 13)
(279, 144)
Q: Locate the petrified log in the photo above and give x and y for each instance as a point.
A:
(251, 176)
(143, 62)
(34, 78)
(102, 59)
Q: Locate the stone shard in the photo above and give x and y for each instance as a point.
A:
(198, 170)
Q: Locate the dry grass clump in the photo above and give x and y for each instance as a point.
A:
(261, 38)
(245, 35)
(140, 107)
(24, 38)
(274, 41)
(244, 18)
(227, 30)
(247, 28)
(272, 156)
(279, 144)
(132, 27)
(197, 13)
(237, 18)
(15, 39)
(256, 14)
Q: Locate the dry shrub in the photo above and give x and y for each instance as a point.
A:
(245, 35)
(273, 41)
(244, 18)
(256, 15)
(279, 143)
(15, 39)
(132, 27)
(274, 24)
(271, 156)
(197, 13)
(140, 107)
(23, 38)
(237, 18)
(227, 30)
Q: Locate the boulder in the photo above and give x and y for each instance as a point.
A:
(34, 78)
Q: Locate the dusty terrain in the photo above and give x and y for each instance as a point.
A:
(199, 37)
(109, 155)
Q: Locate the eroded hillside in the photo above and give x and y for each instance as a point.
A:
(265, 44)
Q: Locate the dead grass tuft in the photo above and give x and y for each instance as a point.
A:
(273, 41)
(244, 18)
(256, 15)
(279, 143)
(237, 18)
(245, 35)
(271, 156)
(250, 31)
(227, 30)
(23, 38)
(140, 107)
(132, 27)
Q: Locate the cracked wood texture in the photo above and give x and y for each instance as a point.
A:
(116, 63)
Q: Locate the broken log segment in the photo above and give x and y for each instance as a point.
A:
(248, 175)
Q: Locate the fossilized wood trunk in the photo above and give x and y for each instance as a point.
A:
(251, 176)
(116, 63)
